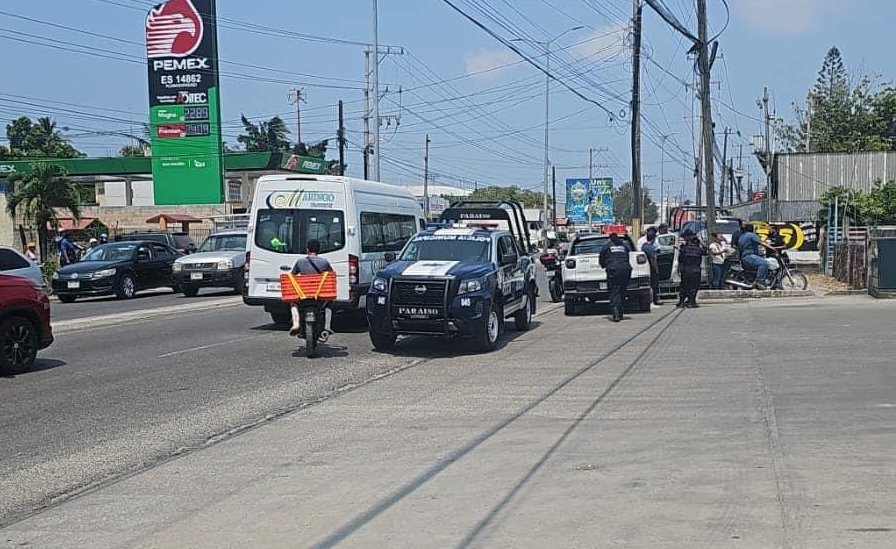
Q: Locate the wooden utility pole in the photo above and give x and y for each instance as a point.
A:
(708, 136)
(636, 118)
(724, 168)
(341, 138)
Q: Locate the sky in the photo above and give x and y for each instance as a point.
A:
(82, 62)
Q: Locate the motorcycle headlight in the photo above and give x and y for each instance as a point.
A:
(225, 264)
(104, 273)
(177, 267)
(380, 284)
(467, 286)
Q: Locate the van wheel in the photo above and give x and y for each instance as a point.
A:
(523, 317)
(644, 301)
(487, 341)
(281, 318)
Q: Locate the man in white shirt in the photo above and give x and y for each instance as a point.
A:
(717, 252)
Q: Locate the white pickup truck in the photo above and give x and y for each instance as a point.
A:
(584, 280)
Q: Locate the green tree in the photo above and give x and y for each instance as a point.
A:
(36, 195)
(624, 208)
(266, 136)
(27, 139)
(528, 198)
(132, 150)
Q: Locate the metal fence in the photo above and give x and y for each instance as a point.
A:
(782, 211)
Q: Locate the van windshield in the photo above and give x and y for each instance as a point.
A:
(288, 231)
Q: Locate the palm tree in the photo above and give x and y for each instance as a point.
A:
(36, 195)
(265, 136)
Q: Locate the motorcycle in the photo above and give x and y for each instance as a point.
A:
(312, 321)
(553, 268)
(780, 276)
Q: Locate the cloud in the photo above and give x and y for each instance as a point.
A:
(605, 44)
(485, 63)
(791, 17)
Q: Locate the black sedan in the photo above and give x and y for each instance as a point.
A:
(119, 268)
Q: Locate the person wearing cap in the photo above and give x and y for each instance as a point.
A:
(92, 243)
(31, 252)
(104, 238)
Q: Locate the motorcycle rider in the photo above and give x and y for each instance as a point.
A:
(749, 244)
(615, 259)
(310, 264)
(690, 259)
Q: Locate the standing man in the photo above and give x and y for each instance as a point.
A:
(310, 264)
(717, 252)
(690, 259)
(749, 245)
(615, 259)
(67, 253)
(651, 250)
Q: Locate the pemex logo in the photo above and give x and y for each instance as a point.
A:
(173, 29)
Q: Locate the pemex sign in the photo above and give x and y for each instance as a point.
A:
(184, 103)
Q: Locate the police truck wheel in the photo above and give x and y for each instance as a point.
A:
(523, 317)
(488, 339)
(381, 341)
(644, 301)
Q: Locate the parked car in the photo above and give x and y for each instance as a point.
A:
(24, 323)
(119, 268)
(182, 242)
(217, 263)
(14, 263)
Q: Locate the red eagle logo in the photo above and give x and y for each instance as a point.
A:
(173, 29)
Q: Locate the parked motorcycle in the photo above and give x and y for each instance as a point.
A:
(553, 268)
(783, 277)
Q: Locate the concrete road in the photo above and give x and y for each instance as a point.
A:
(760, 424)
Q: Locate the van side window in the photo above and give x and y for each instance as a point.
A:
(382, 232)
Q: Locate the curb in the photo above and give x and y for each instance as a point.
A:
(754, 294)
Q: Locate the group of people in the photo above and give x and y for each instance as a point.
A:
(67, 250)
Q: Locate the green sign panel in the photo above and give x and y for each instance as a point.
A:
(184, 103)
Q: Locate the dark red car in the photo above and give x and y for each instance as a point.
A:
(24, 324)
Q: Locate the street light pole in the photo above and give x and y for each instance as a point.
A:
(376, 95)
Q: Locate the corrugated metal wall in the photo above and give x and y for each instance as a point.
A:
(805, 177)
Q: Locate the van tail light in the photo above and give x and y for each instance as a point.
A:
(353, 266)
(570, 263)
(246, 274)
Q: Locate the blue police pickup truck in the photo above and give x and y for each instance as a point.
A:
(460, 281)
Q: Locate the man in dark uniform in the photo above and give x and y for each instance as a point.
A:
(615, 259)
(690, 259)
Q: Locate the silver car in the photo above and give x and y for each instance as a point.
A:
(218, 263)
(14, 263)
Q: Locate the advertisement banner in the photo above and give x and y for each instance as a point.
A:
(601, 206)
(184, 103)
(577, 191)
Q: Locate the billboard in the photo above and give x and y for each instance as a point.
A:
(594, 197)
(184, 103)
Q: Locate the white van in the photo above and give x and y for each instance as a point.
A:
(356, 222)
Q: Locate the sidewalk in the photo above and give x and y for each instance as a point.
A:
(780, 436)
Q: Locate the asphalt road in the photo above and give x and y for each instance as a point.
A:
(146, 300)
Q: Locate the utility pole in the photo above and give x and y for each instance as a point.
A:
(663, 139)
(706, 104)
(724, 168)
(426, 177)
(341, 138)
(366, 114)
(547, 135)
(375, 152)
(554, 193)
(768, 156)
(638, 207)
(296, 96)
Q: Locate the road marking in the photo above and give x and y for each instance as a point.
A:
(104, 321)
(209, 346)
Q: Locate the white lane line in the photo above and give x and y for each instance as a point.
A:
(209, 346)
(104, 321)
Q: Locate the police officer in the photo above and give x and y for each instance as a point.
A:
(615, 259)
(690, 259)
